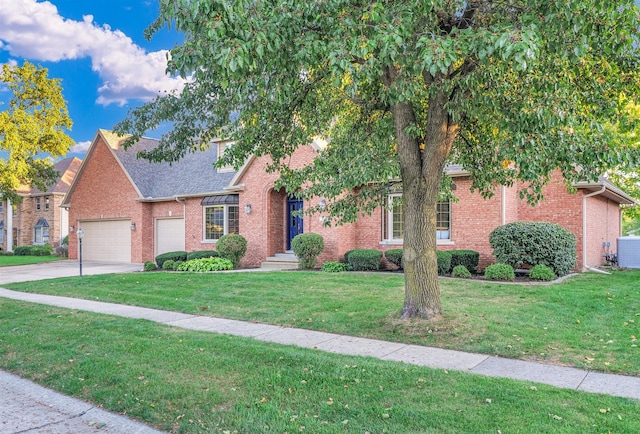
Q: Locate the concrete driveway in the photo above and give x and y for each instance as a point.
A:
(65, 268)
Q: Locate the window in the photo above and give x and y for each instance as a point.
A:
(46, 203)
(222, 147)
(393, 220)
(41, 232)
(1, 207)
(220, 220)
(37, 204)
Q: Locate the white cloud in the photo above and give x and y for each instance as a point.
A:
(36, 31)
(80, 147)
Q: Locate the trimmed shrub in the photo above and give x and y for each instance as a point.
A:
(5, 253)
(468, 258)
(533, 243)
(499, 272)
(461, 271)
(65, 240)
(444, 261)
(394, 256)
(149, 266)
(307, 248)
(542, 272)
(179, 255)
(168, 264)
(334, 267)
(232, 247)
(206, 264)
(62, 251)
(198, 254)
(45, 250)
(363, 259)
(176, 265)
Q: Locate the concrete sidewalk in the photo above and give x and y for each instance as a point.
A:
(558, 376)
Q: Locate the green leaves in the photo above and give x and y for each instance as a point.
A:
(32, 123)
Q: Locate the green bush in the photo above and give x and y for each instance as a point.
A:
(307, 248)
(45, 250)
(232, 247)
(499, 272)
(5, 253)
(542, 272)
(177, 264)
(533, 243)
(65, 240)
(198, 254)
(168, 264)
(334, 267)
(468, 258)
(149, 266)
(206, 264)
(179, 255)
(394, 256)
(364, 259)
(444, 261)
(461, 272)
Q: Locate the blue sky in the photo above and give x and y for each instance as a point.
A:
(98, 51)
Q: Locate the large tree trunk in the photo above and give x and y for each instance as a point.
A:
(421, 171)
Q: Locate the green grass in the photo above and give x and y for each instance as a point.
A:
(7, 261)
(193, 382)
(588, 321)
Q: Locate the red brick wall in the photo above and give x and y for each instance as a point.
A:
(103, 191)
(603, 225)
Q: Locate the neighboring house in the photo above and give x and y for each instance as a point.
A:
(38, 219)
(131, 210)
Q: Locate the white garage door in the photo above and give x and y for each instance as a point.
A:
(106, 240)
(169, 235)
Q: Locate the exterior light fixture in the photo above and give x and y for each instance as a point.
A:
(71, 228)
(323, 204)
(133, 226)
(80, 235)
(247, 209)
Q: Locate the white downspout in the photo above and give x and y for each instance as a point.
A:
(9, 226)
(584, 230)
(184, 217)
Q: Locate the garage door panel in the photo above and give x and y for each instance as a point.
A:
(170, 235)
(106, 240)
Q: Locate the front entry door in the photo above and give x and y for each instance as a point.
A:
(294, 220)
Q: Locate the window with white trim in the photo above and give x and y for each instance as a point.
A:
(37, 204)
(220, 220)
(393, 220)
(222, 147)
(40, 235)
(46, 203)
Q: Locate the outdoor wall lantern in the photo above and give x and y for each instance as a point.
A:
(133, 226)
(71, 228)
(247, 209)
(323, 204)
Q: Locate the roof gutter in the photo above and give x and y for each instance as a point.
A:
(584, 229)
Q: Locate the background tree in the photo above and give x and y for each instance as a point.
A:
(32, 122)
(511, 90)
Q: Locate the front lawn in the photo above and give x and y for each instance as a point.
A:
(195, 382)
(8, 261)
(588, 321)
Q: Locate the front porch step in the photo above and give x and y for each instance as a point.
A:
(281, 261)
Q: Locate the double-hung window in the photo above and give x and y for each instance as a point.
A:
(393, 220)
(37, 204)
(221, 216)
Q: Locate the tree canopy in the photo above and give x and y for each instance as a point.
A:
(32, 123)
(510, 90)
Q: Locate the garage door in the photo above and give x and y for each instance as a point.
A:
(106, 240)
(169, 235)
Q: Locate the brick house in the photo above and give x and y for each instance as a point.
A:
(132, 210)
(38, 219)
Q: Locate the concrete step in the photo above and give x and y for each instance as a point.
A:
(281, 261)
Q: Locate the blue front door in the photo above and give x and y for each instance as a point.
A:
(294, 219)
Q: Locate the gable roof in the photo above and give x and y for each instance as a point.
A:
(193, 175)
(68, 168)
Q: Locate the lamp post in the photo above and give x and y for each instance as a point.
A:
(80, 234)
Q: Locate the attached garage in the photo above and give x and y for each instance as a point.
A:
(106, 240)
(169, 235)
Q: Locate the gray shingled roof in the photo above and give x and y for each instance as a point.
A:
(193, 174)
